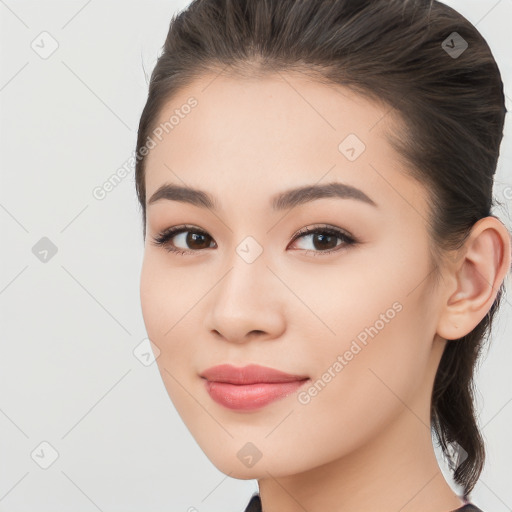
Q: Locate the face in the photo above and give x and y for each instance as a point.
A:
(332, 287)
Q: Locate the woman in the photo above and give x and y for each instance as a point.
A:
(321, 262)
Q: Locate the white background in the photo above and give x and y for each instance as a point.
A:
(68, 374)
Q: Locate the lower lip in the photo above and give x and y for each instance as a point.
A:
(249, 397)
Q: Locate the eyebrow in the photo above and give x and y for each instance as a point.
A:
(281, 201)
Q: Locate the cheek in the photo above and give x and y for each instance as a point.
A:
(383, 319)
(354, 397)
(151, 298)
(165, 295)
(168, 298)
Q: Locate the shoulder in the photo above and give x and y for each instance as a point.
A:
(468, 507)
(254, 504)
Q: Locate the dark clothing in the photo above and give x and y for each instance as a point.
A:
(254, 505)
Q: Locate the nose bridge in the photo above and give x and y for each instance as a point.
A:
(246, 278)
(244, 299)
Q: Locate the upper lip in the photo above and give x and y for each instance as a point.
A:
(250, 374)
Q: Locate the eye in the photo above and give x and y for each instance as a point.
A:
(185, 235)
(323, 239)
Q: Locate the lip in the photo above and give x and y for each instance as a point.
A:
(250, 387)
(250, 374)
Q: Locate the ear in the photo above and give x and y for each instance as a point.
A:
(476, 278)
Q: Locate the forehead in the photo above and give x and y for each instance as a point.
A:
(270, 133)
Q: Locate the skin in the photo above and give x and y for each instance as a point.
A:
(363, 443)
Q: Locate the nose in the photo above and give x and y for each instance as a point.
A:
(247, 302)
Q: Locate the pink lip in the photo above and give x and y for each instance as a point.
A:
(250, 387)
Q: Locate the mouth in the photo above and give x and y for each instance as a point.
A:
(250, 374)
(251, 387)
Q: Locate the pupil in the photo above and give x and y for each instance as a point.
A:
(323, 238)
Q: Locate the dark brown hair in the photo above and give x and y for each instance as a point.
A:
(449, 108)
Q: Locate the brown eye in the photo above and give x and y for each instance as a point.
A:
(324, 240)
(187, 239)
(196, 240)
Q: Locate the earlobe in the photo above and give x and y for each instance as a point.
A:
(477, 277)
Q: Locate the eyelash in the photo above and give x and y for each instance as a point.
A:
(165, 236)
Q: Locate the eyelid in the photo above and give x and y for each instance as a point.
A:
(322, 227)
